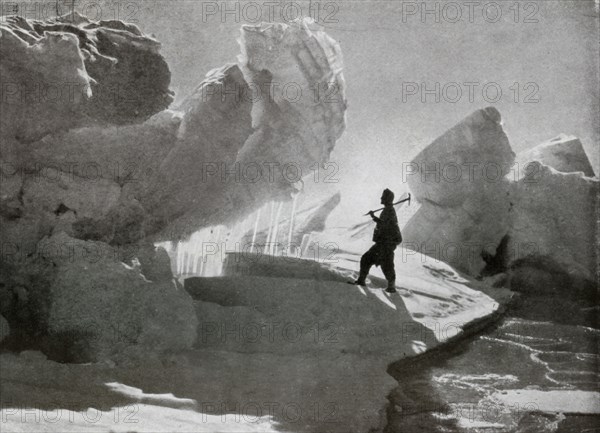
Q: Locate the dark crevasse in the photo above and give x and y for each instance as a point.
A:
(527, 374)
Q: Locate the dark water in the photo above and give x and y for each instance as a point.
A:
(457, 390)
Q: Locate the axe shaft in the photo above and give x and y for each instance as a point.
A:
(394, 204)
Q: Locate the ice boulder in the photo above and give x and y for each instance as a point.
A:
(99, 307)
(112, 186)
(155, 264)
(34, 65)
(252, 131)
(489, 214)
(125, 154)
(232, 150)
(215, 125)
(462, 163)
(462, 236)
(69, 71)
(460, 181)
(564, 153)
(131, 77)
(88, 182)
(222, 95)
(501, 217)
(295, 73)
(554, 215)
(299, 109)
(85, 198)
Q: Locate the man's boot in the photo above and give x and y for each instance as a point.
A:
(391, 288)
(361, 280)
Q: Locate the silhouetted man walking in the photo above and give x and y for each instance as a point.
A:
(386, 237)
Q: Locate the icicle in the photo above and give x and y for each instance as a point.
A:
(275, 230)
(270, 225)
(179, 258)
(255, 230)
(305, 243)
(202, 265)
(194, 263)
(208, 258)
(185, 259)
(214, 269)
(292, 214)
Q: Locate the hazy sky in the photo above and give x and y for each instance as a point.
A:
(548, 48)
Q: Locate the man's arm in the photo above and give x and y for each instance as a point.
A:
(376, 219)
(387, 216)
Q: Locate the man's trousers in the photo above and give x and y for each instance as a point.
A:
(382, 255)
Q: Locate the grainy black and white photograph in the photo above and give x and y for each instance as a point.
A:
(299, 216)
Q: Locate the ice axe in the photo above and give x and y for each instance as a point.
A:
(394, 204)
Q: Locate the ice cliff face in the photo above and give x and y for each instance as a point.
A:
(104, 162)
